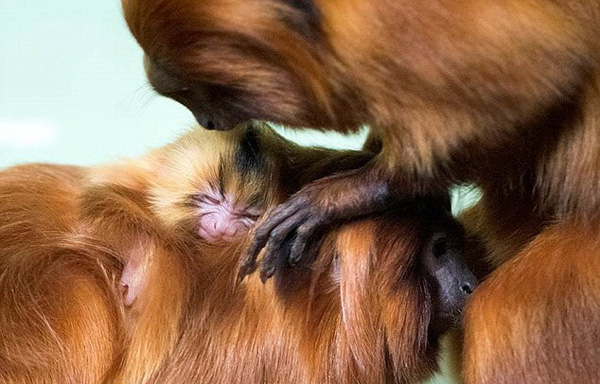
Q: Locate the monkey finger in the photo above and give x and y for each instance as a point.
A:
(275, 243)
(304, 237)
(262, 235)
(263, 231)
(247, 267)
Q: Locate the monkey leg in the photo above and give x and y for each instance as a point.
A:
(536, 319)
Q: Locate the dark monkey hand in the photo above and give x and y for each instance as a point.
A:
(302, 219)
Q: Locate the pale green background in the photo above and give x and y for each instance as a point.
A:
(72, 88)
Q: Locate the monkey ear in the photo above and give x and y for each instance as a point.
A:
(121, 217)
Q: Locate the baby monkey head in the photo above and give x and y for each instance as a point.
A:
(216, 185)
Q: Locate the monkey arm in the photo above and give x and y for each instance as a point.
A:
(320, 204)
(301, 166)
(315, 206)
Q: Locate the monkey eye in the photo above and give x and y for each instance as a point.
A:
(248, 216)
(204, 198)
(252, 213)
(440, 247)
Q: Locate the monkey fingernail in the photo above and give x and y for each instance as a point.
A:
(247, 268)
(241, 274)
(266, 274)
(296, 253)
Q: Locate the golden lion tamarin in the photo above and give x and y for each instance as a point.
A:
(503, 94)
(127, 273)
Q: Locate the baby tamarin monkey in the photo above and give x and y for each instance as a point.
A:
(370, 308)
(209, 188)
(213, 187)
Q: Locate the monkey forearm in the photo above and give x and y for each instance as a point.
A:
(329, 200)
(308, 165)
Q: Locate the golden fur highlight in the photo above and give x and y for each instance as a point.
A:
(362, 314)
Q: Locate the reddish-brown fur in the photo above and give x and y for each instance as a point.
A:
(504, 94)
(54, 283)
(539, 309)
(360, 314)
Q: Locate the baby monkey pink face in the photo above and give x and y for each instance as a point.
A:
(219, 218)
(228, 201)
(223, 217)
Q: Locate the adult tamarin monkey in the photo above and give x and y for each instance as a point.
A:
(127, 273)
(504, 94)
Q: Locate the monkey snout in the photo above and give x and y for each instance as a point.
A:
(205, 121)
(456, 285)
(467, 287)
(213, 121)
(217, 227)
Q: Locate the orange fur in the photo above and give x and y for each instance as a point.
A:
(557, 338)
(54, 282)
(361, 314)
(504, 94)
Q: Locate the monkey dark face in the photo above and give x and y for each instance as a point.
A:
(231, 100)
(419, 252)
(214, 106)
(229, 62)
(451, 281)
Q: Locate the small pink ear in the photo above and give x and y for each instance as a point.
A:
(132, 278)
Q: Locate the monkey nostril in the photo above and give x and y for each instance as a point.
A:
(467, 288)
(202, 119)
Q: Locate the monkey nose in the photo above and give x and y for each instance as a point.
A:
(233, 228)
(468, 283)
(203, 120)
(220, 227)
(468, 287)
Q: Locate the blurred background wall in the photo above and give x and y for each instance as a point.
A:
(73, 90)
(72, 87)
